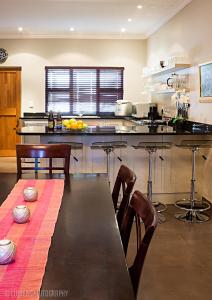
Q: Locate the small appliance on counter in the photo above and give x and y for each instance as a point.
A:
(153, 112)
(146, 110)
(140, 110)
(123, 108)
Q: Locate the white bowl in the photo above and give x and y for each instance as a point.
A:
(30, 194)
(21, 214)
(7, 251)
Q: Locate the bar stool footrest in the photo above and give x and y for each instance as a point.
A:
(192, 217)
(161, 218)
(159, 207)
(199, 206)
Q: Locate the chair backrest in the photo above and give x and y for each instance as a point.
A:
(125, 180)
(141, 209)
(43, 151)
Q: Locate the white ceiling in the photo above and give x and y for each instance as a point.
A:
(90, 18)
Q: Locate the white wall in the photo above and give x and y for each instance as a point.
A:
(34, 54)
(188, 33)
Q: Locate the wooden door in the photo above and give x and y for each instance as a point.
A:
(10, 104)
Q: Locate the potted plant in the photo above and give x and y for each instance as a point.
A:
(178, 123)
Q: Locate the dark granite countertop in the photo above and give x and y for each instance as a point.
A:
(117, 130)
(43, 116)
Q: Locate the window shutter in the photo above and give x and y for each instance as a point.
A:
(110, 89)
(58, 96)
(83, 90)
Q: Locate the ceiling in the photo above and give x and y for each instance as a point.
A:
(89, 18)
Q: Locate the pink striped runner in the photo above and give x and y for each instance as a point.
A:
(22, 279)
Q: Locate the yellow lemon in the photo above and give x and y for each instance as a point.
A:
(74, 125)
(71, 121)
(79, 126)
(65, 122)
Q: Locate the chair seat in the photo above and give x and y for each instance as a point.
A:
(152, 145)
(189, 144)
(109, 145)
(74, 145)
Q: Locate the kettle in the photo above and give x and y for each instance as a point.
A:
(177, 81)
(172, 81)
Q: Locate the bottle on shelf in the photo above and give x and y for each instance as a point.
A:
(51, 120)
(58, 123)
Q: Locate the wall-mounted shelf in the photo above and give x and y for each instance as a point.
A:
(170, 69)
(170, 91)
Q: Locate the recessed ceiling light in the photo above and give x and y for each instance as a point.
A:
(139, 6)
(72, 29)
(129, 20)
(123, 30)
(20, 29)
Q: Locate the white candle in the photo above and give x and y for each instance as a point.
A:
(7, 251)
(30, 194)
(21, 214)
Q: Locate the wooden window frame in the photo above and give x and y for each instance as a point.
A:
(98, 89)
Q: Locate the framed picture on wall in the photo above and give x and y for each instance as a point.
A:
(205, 75)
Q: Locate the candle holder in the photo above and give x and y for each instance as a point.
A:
(7, 251)
(21, 214)
(30, 194)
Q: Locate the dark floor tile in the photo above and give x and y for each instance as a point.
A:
(178, 265)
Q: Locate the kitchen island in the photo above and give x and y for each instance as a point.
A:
(112, 125)
(172, 168)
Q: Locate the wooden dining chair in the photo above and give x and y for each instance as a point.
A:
(49, 151)
(125, 182)
(139, 208)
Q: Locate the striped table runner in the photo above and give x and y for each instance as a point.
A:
(22, 279)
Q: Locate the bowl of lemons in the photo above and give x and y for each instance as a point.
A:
(73, 124)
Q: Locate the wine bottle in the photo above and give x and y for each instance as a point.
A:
(59, 121)
(51, 120)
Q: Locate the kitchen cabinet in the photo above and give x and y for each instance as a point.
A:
(171, 168)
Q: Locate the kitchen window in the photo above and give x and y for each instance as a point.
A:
(83, 90)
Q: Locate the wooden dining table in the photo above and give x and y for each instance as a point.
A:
(86, 259)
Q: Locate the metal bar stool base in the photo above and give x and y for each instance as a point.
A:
(199, 206)
(151, 148)
(193, 207)
(161, 218)
(192, 216)
(159, 207)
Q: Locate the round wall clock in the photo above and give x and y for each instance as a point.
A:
(3, 55)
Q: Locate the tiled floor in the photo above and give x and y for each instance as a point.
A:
(178, 265)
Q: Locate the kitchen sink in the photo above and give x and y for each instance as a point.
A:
(149, 122)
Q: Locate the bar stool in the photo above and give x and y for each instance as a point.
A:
(151, 148)
(74, 146)
(108, 148)
(193, 208)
